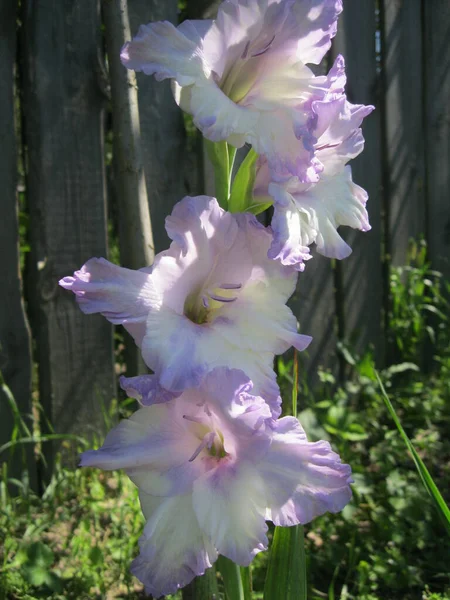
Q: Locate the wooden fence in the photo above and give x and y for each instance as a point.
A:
(59, 184)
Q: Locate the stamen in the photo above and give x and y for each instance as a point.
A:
(264, 50)
(207, 442)
(193, 419)
(230, 286)
(205, 302)
(218, 298)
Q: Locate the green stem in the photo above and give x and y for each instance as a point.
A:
(301, 573)
(246, 577)
(202, 588)
(231, 575)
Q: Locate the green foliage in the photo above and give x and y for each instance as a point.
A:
(419, 311)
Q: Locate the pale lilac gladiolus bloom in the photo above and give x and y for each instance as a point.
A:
(244, 77)
(213, 299)
(211, 467)
(311, 213)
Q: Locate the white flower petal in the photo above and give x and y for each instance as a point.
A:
(173, 548)
(230, 503)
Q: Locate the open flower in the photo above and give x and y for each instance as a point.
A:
(307, 213)
(244, 77)
(211, 467)
(213, 299)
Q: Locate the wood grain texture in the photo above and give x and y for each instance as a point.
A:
(66, 195)
(437, 130)
(15, 347)
(361, 294)
(402, 44)
(162, 129)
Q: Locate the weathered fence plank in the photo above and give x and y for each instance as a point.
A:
(314, 307)
(437, 130)
(162, 128)
(362, 277)
(135, 229)
(136, 240)
(66, 195)
(15, 347)
(402, 48)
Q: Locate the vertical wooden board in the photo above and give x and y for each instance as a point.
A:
(402, 49)
(437, 134)
(314, 306)
(15, 347)
(66, 195)
(162, 129)
(361, 273)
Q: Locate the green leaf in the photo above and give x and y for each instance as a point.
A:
(96, 556)
(220, 158)
(286, 573)
(39, 555)
(241, 198)
(427, 480)
(257, 209)
(231, 575)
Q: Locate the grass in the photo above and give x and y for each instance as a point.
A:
(78, 540)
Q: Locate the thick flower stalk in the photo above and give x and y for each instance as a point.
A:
(307, 213)
(243, 77)
(211, 467)
(213, 299)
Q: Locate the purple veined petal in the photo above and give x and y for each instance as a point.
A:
(173, 548)
(304, 479)
(292, 233)
(121, 295)
(165, 51)
(153, 448)
(146, 389)
(229, 504)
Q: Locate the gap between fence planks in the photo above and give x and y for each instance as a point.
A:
(63, 114)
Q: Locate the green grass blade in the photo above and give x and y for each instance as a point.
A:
(52, 437)
(231, 575)
(424, 474)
